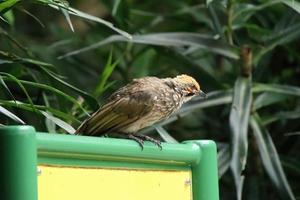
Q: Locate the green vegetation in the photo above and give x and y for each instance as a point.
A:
(58, 63)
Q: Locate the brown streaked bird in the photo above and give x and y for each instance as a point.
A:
(139, 104)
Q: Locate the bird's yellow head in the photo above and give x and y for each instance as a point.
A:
(188, 86)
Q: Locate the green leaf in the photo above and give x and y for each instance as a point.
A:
(246, 10)
(270, 158)
(7, 4)
(293, 4)
(73, 11)
(275, 88)
(51, 127)
(10, 77)
(282, 115)
(277, 38)
(67, 127)
(239, 117)
(175, 39)
(224, 159)
(107, 71)
(208, 2)
(49, 88)
(66, 14)
(27, 107)
(165, 135)
(292, 134)
(267, 98)
(11, 115)
(92, 102)
(6, 88)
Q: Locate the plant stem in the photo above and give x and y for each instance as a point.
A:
(229, 21)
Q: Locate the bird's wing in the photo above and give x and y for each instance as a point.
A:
(118, 114)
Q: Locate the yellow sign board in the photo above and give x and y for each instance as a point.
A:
(75, 183)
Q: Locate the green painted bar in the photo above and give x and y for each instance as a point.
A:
(20, 145)
(85, 147)
(18, 163)
(205, 173)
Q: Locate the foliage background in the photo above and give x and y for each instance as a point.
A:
(57, 63)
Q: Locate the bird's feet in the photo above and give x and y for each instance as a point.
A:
(141, 138)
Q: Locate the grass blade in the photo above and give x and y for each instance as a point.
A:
(6, 88)
(275, 88)
(73, 11)
(165, 135)
(270, 158)
(175, 39)
(67, 127)
(224, 158)
(239, 117)
(107, 71)
(10, 77)
(11, 115)
(267, 98)
(6, 5)
(52, 89)
(27, 107)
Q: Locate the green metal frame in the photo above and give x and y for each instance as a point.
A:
(22, 148)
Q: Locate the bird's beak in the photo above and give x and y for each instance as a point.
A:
(201, 94)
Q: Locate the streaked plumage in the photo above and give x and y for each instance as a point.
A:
(139, 104)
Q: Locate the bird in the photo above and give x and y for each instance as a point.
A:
(139, 104)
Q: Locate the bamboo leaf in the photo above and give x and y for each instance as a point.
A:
(165, 135)
(67, 127)
(270, 158)
(6, 88)
(224, 159)
(10, 77)
(107, 71)
(49, 88)
(293, 4)
(9, 114)
(27, 107)
(6, 5)
(239, 117)
(175, 39)
(267, 98)
(281, 116)
(275, 88)
(73, 11)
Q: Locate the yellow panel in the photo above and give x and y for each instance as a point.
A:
(67, 183)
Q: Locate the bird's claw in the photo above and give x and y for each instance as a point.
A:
(147, 138)
(137, 139)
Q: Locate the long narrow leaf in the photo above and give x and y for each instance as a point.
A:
(92, 102)
(73, 11)
(267, 98)
(11, 115)
(165, 135)
(293, 4)
(52, 89)
(275, 88)
(224, 158)
(67, 127)
(27, 107)
(10, 77)
(239, 117)
(270, 158)
(281, 116)
(107, 71)
(6, 88)
(175, 39)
